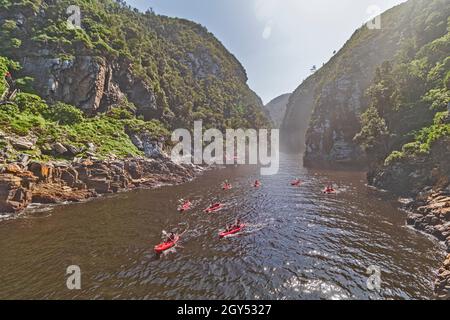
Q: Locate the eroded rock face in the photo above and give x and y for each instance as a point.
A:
(90, 83)
(410, 175)
(430, 213)
(60, 182)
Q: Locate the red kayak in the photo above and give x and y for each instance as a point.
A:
(232, 231)
(257, 184)
(227, 187)
(160, 248)
(329, 191)
(185, 207)
(214, 208)
(296, 183)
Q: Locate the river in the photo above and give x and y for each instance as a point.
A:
(299, 243)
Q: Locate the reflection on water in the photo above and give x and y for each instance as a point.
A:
(299, 243)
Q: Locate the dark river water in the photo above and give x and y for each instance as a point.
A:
(299, 244)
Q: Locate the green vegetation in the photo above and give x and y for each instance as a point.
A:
(192, 75)
(189, 71)
(409, 96)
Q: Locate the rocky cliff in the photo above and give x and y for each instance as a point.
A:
(335, 94)
(276, 109)
(172, 70)
(88, 109)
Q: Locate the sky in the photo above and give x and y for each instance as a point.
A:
(277, 41)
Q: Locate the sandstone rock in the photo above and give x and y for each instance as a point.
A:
(13, 168)
(72, 150)
(58, 148)
(69, 176)
(40, 170)
(99, 185)
(447, 263)
(134, 169)
(22, 143)
(444, 275)
(13, 197)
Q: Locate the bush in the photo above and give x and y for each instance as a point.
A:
(30, 103)
(64, 114)
(394, 157)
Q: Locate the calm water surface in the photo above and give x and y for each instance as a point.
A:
(300, 244)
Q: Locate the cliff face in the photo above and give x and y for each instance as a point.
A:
(170, 69)
(335, 93)
(277, 109)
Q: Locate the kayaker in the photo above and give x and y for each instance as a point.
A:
(257, 183)
(237, 223)
(171, 237)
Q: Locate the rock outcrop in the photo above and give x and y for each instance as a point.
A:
(91, 83)
(430, 213)
(58, 182)
(276, 109)
(410, 174)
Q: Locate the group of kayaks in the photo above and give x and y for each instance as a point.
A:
(230, 230)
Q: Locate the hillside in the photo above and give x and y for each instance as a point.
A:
(335, 95)
(116, 85)
(277, 109)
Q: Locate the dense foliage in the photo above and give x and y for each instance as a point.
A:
(409, 96)
(190, 72)
(192, 75)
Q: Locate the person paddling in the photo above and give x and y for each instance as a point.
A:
(171, 237)
(257, 183)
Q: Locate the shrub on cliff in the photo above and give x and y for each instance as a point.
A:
(64, 114)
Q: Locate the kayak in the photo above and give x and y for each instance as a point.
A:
(233, 231)
(296, 183)
(160, 248)
(214, 208)
(329, 191)
(257, 184)
(227, 187)
(186, 206)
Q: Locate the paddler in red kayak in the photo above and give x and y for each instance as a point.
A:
(171, 237)
(184, 205)
(226, 185)
(257, 184)
(329, 189)
(213, 207)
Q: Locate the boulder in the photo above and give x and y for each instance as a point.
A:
(59, 149)
(13, 197)
(42, 171)
(22, 143)
(99, 185)
(69, 176)
(13, 168)
(73, 150)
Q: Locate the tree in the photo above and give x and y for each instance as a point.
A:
(374, 135)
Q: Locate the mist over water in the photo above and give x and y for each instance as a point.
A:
(299, 243)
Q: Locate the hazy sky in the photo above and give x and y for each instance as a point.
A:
(277, 41)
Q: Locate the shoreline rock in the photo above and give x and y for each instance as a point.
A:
(430, 213)
(60, 182)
